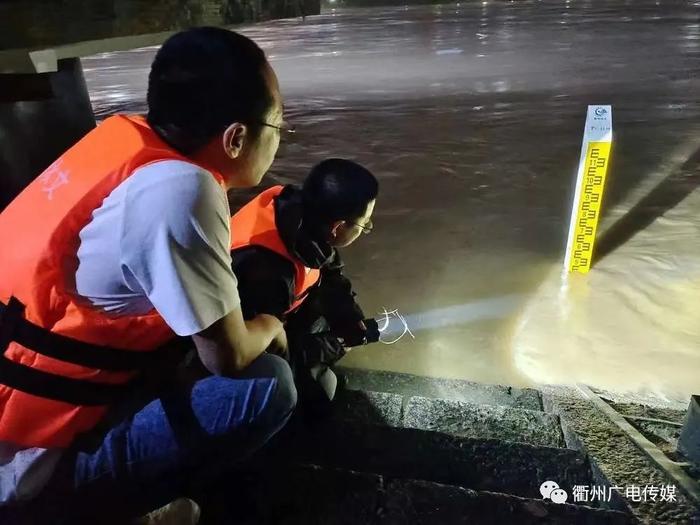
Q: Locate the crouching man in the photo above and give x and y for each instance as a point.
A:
(285, 256)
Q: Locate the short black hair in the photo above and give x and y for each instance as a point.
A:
(202, 80)
(337, 189)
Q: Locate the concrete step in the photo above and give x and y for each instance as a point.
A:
(410, 502)
(307, 494)
(439, 388)
(450, 416)
(479, 464)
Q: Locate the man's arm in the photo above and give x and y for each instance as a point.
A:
(265, 288)
(178, 257)
(337, 301)
(312, 349)
(231, 344)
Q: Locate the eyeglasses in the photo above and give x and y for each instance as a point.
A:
(285, 127)
(366, 228)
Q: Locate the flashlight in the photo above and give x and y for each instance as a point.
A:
(371, 335)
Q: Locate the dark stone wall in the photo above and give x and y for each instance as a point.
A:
(37, 23)
(38, 127)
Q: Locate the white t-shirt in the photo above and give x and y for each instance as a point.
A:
(160, 240)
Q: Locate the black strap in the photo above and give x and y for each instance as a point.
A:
(59, 388)
(42, 341)
(10, 315)
(14, 327)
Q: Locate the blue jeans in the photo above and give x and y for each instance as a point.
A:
(155, 455)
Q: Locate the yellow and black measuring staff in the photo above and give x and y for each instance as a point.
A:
(590, 185)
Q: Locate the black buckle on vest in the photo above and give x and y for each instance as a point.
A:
(10, 316)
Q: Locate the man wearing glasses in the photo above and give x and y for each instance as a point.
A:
(121, 244)
(285, 256)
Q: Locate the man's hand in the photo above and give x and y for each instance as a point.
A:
(279, 345)
(352, 335)
(231, 344)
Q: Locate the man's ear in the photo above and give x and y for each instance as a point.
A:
(234, 139)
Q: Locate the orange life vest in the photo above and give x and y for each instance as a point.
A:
(254, 224)
(62, 361)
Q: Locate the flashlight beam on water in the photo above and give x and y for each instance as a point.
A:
(484, 309)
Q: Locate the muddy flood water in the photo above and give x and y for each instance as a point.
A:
(471, 115)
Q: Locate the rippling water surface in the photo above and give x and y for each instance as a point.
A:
(471, 115)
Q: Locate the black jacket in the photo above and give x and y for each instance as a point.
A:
(266, 283)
